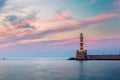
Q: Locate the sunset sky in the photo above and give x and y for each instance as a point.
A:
(51, 28)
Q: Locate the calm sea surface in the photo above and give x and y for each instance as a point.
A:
(59, 70)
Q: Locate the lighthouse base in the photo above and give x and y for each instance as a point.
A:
(82, 54)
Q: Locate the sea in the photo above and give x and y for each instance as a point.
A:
(58, 69)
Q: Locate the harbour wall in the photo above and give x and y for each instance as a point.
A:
(103, 57)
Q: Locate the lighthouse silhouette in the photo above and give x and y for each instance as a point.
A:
(81, 54)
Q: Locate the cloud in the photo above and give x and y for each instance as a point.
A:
(117, 3)
(19, 21)
(93, 1)
(2, 3)
(14, 27)
(101, 17)
(22, 30)
(59, 17)
(77, 24)
(27, 26)
(65, 42)
(6, 45)
(106, 42)
(90, 43)
(24, 24)
(88, 2)
(63, 15)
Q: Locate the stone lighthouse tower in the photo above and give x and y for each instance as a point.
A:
(81, 54)
(81, 41)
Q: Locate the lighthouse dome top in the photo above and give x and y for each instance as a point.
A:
(81, 34)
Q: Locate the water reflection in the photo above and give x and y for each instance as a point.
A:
(59, 70)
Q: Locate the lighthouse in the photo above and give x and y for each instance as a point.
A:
(81, 41)
(82, 53)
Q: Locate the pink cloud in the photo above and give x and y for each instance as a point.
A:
(23, 23)
(63, 15)
(117, 3)
(71, 24)
(7, 45)
(98, 18)
(77, 24)
(93, 41)
(58, 18)
(64, 42)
